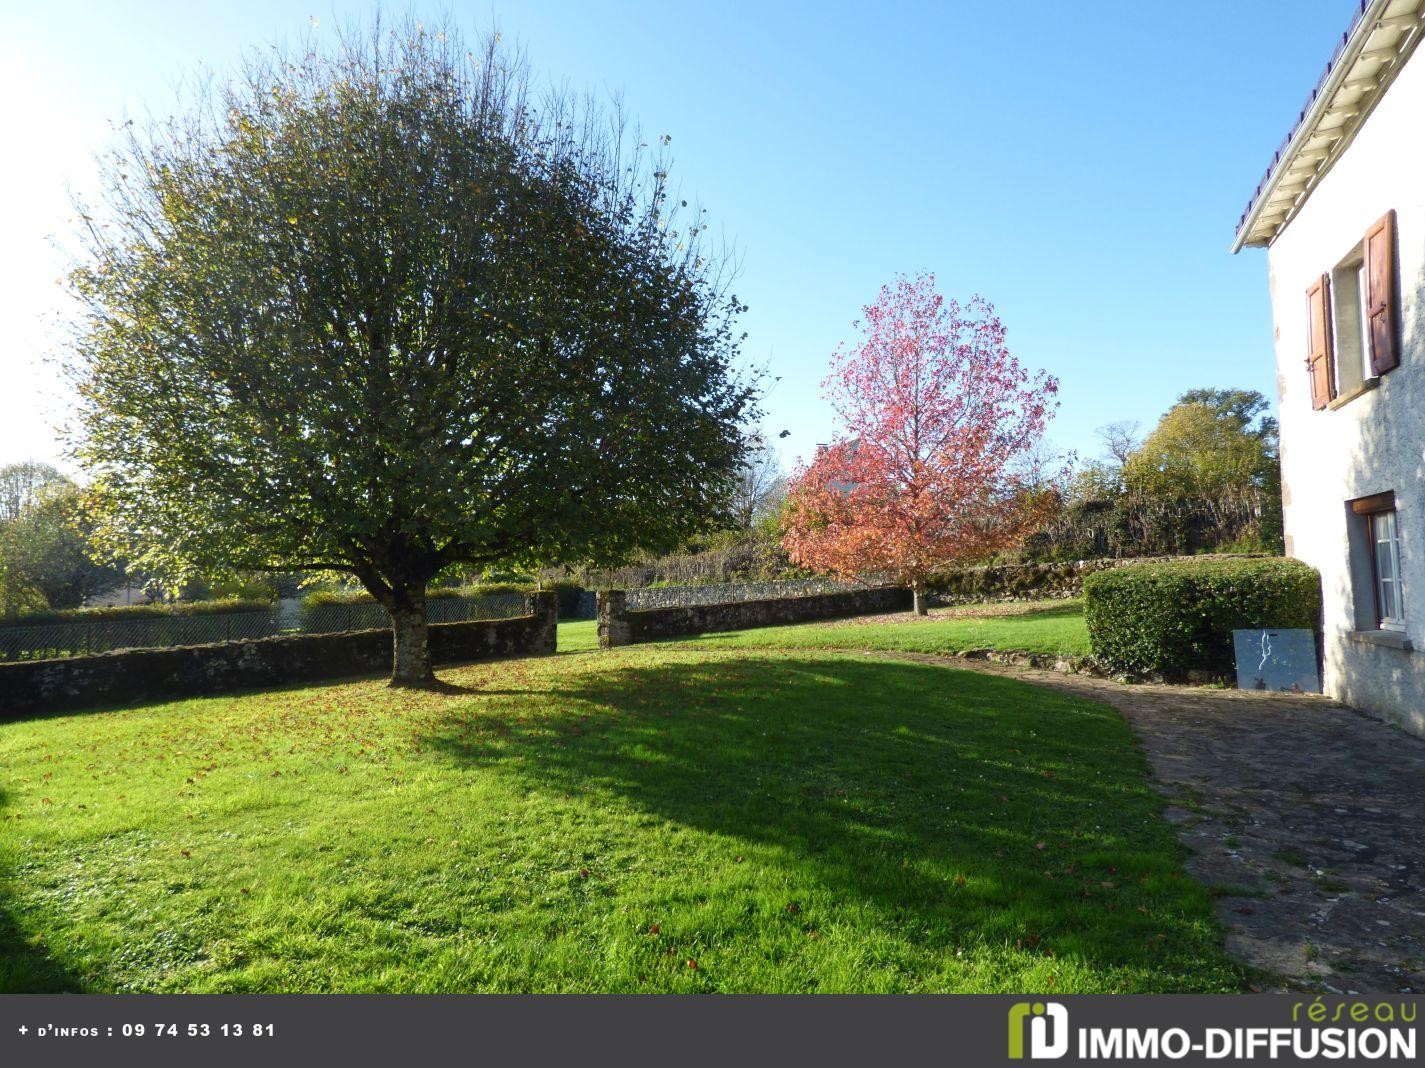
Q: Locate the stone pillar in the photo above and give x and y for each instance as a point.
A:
(545, 609)
(613, 619)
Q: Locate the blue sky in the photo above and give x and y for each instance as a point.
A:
(1080, 165)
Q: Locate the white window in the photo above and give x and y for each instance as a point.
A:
(1385, 559)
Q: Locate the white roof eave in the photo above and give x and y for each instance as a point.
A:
(1346, 96)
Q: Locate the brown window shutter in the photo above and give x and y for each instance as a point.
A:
(1380, 282)
(1318, 357)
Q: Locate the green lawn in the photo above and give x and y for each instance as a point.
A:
(660, 818)
(1054, 627)
(578, 636)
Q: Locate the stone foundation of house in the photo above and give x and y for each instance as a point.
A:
(1384, 681)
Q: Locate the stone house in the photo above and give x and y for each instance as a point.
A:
(1341, 212)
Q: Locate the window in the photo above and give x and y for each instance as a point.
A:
(1352, 313)
(1385, 545)
(1350, 328)
(1382, 529)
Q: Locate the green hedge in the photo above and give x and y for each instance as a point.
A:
(135, 611)
(1174, 617)
(484, 589)
(567, 592)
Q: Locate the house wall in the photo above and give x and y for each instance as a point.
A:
(1375, 441)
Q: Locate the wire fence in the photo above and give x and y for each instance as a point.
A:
(48, 640)
(51, 640)
(730, 593)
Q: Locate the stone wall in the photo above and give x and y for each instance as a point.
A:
(120, 678)
(619, 626)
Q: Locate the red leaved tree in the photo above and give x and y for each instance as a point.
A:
(937, 466)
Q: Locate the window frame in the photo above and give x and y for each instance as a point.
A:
(1353, 362)
(1348, 302)
(1373, 518)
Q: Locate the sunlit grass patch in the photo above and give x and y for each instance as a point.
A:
(660, 818)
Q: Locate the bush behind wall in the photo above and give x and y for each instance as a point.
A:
(162, 610)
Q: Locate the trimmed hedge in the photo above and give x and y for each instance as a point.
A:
(485, 589)
(134, 611)
(1177, 617)
(568, 594)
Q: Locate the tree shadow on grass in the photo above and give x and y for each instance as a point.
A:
(961, 808)
(26, 968)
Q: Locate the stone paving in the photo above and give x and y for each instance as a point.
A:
(1305, 819)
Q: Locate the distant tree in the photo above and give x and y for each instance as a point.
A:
(1120, 440)
(1096, 480)
(371, 310)
(22, 484)
(1042, 466)
(18, 592)
(938, 418)
(1207, 478)
(760, 486)
(46, 556)
(1204, 449)
(1214, 453)
(1243, 409)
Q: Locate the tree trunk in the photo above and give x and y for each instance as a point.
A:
(917, 592)
(410, 662)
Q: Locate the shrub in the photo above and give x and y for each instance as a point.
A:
(1173, 617)
(567, 592)
(317, 598)
(491, 588)
(332, 610)
(731, 558)
(136, 611)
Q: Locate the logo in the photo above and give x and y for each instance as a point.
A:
(1042, 1044)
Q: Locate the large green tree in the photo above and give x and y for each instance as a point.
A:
(371, 308)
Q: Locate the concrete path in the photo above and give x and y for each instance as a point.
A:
(1305, 819)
